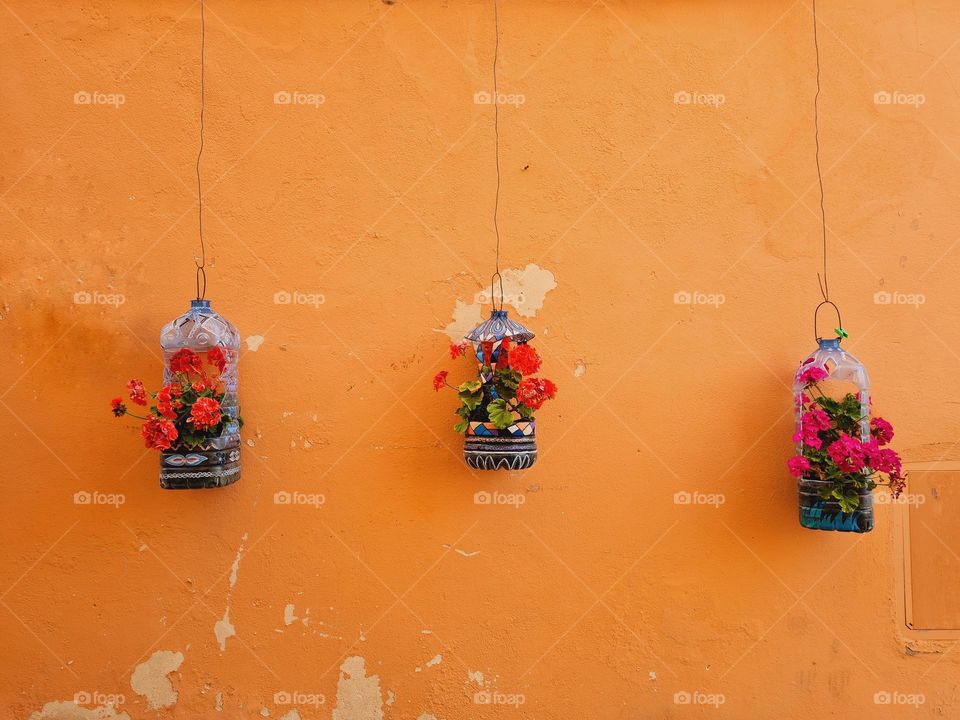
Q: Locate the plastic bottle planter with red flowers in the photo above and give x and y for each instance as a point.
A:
(840, 451)
(194, 420)
(497, 407)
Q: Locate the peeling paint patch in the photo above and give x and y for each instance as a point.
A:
(150, 679)
(218, 702)
(288, 616)
(579, 368)
(224, 629)
(524, 290)
(235, 568)
(425, 716)
(292, 715)
(63, 710)
(435, 660)
(475, 676)
(254, 342)
(358, 696)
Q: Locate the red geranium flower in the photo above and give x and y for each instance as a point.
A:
(534, 392)
(216, 358)
(168, 402)
(137, 393)
(185, 361)
(458, 350)
(158, 434)
(524, 359)
(119, 409)
(205, 413)
(440, 379)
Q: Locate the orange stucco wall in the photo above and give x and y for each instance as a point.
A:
(594, 595)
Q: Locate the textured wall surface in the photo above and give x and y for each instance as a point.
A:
(395, 594)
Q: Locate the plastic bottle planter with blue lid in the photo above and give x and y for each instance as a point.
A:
(829, 379)
(214, 461)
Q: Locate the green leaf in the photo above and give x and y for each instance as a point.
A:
(849, 501)
(500, 415)
(471, 399)
(460, 427)
(470, 386)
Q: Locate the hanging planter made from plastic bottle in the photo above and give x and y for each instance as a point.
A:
(840, 453)
(497, 407)
(194, 419)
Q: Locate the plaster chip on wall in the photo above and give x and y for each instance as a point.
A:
(288, 616)
(235, 567)
(358, 696)
(224, 629)
(218, 702)
(63, 710)
(523, 290)
(292, 715)
(475, 676)
(425, 716)
(435, 660)
(150, 679)
(254, 342)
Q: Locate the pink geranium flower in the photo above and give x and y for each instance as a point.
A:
(811, 375)
(847, 453)
(881, 430)
(798, 465)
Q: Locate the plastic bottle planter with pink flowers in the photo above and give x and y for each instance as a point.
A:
(840, 450)
(497, 406)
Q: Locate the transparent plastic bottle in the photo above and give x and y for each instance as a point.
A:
(845, 374)
(217, 461)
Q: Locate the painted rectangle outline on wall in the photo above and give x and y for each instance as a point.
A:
(902, 552)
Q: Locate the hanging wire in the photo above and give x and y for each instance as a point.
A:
(496, 134)
(822, 280)
(201, 265)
